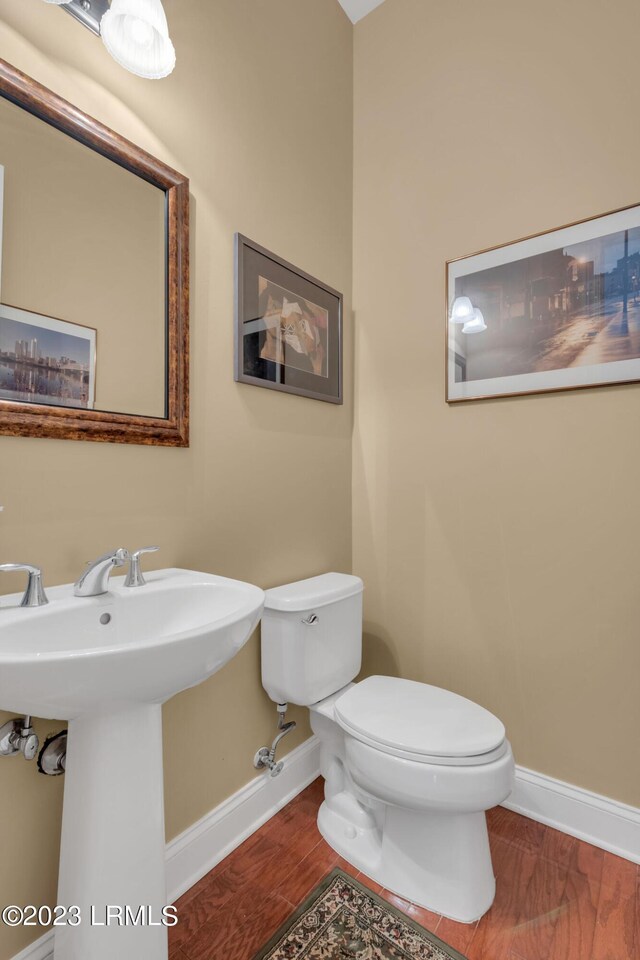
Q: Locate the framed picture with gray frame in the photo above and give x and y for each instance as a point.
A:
(556, 311)
(288, 326)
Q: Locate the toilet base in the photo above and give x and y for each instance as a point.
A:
(438, 861)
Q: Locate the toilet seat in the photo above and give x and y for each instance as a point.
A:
(419, 722)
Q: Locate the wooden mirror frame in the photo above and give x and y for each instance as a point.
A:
(68, 423)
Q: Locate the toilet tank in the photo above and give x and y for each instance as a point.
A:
(311, 638)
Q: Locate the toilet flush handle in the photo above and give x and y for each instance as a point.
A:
(312, 619)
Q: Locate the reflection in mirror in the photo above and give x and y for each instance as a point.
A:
(83, 275)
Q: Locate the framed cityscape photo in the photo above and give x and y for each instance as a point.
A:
(288, 327)
(556, 311)
(46, 361)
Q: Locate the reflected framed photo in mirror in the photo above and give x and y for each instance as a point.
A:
(46, 360)
(1, 219)
(288, 326)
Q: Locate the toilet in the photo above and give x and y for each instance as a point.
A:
(409, 769)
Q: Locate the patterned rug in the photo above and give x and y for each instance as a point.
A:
(342, 920)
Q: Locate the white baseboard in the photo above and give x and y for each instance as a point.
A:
(599, 820)
(603, 822)
(196, 851)
(42, 949)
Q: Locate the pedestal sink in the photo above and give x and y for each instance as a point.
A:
(106, 664)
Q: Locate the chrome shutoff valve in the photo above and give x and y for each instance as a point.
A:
(263, 761)
(18, 736)
(265, 758)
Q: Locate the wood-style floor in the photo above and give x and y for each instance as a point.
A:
(557, 898)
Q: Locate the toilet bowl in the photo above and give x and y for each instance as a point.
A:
(409, 768)
(412, 821)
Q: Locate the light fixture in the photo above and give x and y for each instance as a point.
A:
(476, 324)
(136, 34)
(462, 310)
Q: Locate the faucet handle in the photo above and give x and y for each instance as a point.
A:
(138, 553)
(34, 595)
(135, 577)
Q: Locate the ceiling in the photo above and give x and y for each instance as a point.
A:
(357, 9)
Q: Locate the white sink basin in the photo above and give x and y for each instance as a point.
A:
(61, 661)
(109, 680)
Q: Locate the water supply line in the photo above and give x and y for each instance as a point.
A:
(265, 758)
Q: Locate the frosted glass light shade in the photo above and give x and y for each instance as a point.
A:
(136, 34)
(476, 324)
(462, 310)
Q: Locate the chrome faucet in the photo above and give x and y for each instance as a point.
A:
(34, 595)
(95, 579)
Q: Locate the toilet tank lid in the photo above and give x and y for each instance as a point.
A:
(314, 592)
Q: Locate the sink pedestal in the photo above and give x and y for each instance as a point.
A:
(113, 845)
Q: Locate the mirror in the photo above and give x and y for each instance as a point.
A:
(93, 277)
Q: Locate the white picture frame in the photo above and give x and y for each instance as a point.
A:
(47, 361)
(557, 313)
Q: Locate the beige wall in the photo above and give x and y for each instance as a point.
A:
(263, 493)
(499, 540)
